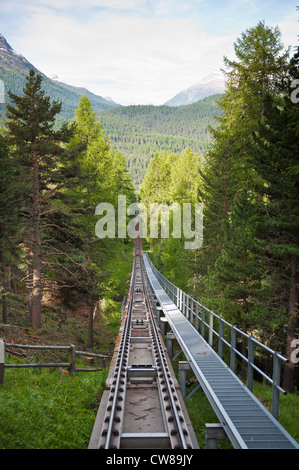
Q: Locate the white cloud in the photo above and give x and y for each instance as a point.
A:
(60, 5)
(142, 59)
(132, 50)
(289, 30)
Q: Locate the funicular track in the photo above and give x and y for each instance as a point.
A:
(142, 406)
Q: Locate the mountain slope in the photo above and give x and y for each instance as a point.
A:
(136, 131)
(210, 85)
(13, 71)
(140, 131)
(12, 60)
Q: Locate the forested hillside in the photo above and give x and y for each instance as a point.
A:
(247, 268)
(68, 95)
(14, 69)
(52, 181)
(139, 131)
(136, 131)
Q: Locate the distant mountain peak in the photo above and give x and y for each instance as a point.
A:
(212, 84)
(11, 59)
(4, 44)
(13, 71)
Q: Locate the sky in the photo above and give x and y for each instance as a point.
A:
(137, 51)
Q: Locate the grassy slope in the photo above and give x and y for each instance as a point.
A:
(47, 408)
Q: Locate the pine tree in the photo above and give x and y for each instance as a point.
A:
(237, 268)
(185, 178)
(156, 186)
(275, 152)
(101, 177)
(260, 61)
(9, 220)
(36, 147)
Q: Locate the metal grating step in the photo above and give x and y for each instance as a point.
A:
(270, 445)
(158, 440)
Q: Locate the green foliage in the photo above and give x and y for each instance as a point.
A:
(260, 63)
(238, 269)
(141, 131)
(44, 409)
(15, 81)
(172, 179)
(231, 267)
(58, 178)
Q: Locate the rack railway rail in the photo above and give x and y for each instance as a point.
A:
(142, 407)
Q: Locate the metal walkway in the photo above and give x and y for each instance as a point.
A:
(246, 422)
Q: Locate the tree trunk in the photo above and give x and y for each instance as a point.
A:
(4, 304)
(91, 309)
(9, 278)
(90, 327)
(36, 281)
(288, 378)
(29, 284)
(14, 279)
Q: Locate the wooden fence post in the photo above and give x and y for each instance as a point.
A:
(2, 360)
(73, 359)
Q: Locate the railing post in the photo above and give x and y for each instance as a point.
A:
(276, 382)
(191, 311)
(73, 359)
(250, 362)
(170, 291)
(233, 345)
(220, 343)
(211, 321)
(203, 317)
(2, 360)
(178, 297)
(196, 316)
(187, 311)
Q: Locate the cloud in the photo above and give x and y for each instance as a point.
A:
(289, 30)
(135, 50)
(146, 59)
(60, 5)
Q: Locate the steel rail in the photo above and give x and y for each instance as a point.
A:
(120, 361)
(177, 420)
(114, 418)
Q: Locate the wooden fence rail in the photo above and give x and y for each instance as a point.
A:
(71, 365)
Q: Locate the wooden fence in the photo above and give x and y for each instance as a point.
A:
(70, 365)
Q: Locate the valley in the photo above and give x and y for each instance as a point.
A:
(137, 131)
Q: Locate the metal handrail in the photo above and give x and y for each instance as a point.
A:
(184, 302)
